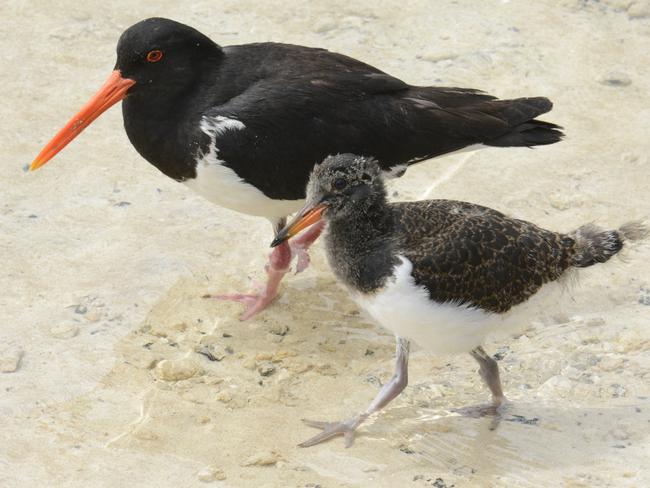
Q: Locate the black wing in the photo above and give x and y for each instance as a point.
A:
(304, 104)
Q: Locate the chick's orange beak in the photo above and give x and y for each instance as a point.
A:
(108, 95)
(306, 217)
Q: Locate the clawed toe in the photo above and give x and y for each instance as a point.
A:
(254, 302)
(331, 429)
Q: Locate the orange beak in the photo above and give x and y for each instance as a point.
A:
(306, 217)
(108, 95)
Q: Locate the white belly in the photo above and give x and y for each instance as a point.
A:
(222, 186)
(441, 328)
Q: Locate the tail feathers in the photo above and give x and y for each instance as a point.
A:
(595, 245)
(532, 133)
(525, 130)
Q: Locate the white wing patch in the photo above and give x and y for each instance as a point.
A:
(406, 309)
(444, 328)
(221, 185)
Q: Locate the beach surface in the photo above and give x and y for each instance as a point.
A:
(115, 372)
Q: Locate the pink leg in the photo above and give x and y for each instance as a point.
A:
(300, 245)
(278, 266)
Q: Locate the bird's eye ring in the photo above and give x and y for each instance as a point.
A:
(154, 56)
(339, 183)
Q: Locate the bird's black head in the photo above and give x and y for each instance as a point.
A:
(338, 187)
(156, 57)
(163, 55)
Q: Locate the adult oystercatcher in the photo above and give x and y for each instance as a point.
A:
(440, 273)
(244, 125)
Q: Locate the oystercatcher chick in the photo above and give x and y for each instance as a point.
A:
(244, 125)
(440, 273)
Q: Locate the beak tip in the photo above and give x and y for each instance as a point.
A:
(28, 168)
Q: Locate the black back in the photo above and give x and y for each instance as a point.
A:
(301, 104)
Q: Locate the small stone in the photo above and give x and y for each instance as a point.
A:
(214, 352)
(279, 329)
(615, 78)
(10, 360)
(282, 355)
(64, 331)
(224, 396)
(265, 458)
(210, 473)
(93, 317)
(264, 356)
(266, 368)
(204, 420)
(177, 369)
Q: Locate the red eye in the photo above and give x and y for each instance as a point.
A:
(154, 56)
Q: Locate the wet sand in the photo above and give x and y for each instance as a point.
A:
(104, 339)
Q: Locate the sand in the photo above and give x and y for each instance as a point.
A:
(114, 372)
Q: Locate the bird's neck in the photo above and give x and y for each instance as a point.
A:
(361, 246)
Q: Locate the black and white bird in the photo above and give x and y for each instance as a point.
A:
(441, 273)
(244, 125)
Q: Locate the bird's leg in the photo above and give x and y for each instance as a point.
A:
(300, 245)
(276, 268)
(489, 371)
(387, 393)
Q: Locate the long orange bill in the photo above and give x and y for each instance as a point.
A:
(306, 217)
(108, 95)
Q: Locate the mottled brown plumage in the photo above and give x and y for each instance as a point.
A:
(469, 254)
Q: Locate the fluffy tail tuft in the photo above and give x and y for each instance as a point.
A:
(634, 231)
(595, 245)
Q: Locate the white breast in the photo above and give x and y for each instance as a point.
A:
(444, 328)
(222, 186)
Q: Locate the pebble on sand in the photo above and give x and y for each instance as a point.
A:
(10, 360)
(266, 368)
(279, 329)
(211, 473)
(177, 369)
(224, 396)
(264, 458)
(64, 331)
